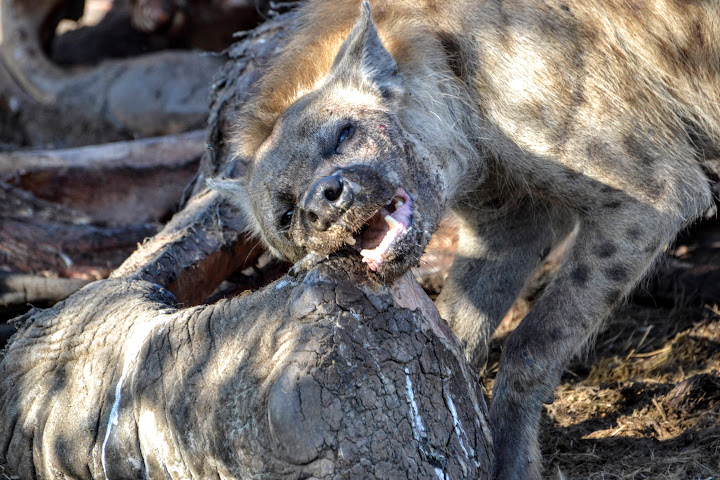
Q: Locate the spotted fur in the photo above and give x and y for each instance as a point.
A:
(530, 119)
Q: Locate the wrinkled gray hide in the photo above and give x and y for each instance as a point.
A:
(318, 375)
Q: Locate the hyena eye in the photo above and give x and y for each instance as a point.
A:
(286, 218)
(345, 133)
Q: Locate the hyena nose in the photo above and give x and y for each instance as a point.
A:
(326, 201)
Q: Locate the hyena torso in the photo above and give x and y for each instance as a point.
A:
(529, 119)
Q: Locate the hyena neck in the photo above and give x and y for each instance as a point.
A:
(439, 116)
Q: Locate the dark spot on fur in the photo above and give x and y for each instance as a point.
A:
(577, 94)
(614, 205)
(451, 46)
(545, 253)
(556, 335)
(572, 174)
(685, 54)
(614, 297)
(634, 232)
(386, 93)
(496, 203)
(564, 7)
(617, 273)
(606, 250)
(597, 149)
(700, 139)
(655, 189)
(635, 7)
(580, 275)
(636, 150)
(698, 33)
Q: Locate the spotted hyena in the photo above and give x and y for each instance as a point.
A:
(528, 119)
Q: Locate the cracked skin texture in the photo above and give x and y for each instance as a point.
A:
(318, 375)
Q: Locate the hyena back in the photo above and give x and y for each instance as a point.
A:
(529, 119)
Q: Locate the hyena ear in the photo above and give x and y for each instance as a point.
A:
(363, 54)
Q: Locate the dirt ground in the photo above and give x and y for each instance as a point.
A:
(644, 402)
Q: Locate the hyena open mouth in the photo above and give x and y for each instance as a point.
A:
(384, 229)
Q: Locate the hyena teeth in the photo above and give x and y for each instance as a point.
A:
(371, 255)
(350, 241)
(399, 203)
(391, 221)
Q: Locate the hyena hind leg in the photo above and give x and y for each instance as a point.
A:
(499, 249)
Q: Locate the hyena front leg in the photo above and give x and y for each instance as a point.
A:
(499, 249)
(612, 251)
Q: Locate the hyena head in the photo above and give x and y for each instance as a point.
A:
(341, 170)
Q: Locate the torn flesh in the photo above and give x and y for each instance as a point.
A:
(383, 230)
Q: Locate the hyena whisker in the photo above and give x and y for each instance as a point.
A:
(249, 254)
